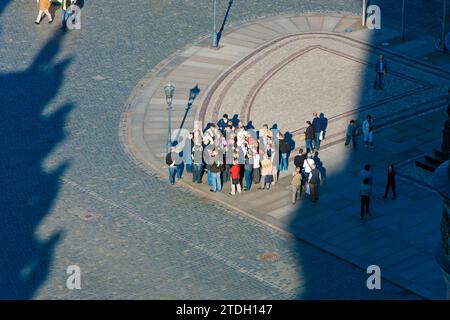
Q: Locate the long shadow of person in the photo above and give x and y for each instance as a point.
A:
(289, 139)
(319, 165)
(29, 191)
(324, 122)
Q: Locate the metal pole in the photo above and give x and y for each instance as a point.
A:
(214, 35)
(169, 138)
(403, 20)
(444, 14)
(364, 13)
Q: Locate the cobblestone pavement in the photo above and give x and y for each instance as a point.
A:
(71, 196)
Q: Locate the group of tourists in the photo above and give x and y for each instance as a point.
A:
(230, 152)
(44, 8)
(234, 153)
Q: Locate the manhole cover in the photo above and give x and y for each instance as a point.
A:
(269, 256)
(81, 213)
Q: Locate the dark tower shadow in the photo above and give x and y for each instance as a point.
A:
(27, 136)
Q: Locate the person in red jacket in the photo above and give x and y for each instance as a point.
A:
(235, 172)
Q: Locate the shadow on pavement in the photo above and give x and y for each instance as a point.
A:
(27, 137)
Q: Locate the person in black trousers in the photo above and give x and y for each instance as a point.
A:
(390, 182)
(364, 193)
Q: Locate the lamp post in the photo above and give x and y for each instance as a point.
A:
(444, 15)
(403, 19)
(214, 41)
(169, 90)
(364, 13)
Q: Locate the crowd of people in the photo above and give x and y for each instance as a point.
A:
(229, 152)
(234, 153)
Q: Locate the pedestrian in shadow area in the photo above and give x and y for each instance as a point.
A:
(319, 165)
(350, 135)
(390, 183)
(365, 197)
(367, 129)
(381, 70)
(314, 180)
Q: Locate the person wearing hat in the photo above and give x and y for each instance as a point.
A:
(44, 5)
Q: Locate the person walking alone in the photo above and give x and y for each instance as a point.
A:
(390, 183)
(365, 197)
(381, 70)
(350, 134)
(44, 5)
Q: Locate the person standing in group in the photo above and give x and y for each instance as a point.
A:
(318, 128)
(266, 173)
(256, 167)
(197, 157)
(284, 149)
(367, 129)
(223, 122)
(390, 183)
(314, 180)
(350, 134)
(365, 197)
(296, 185)
(171, 160)
(309, 136)
(216, 169)
(44, 5)
(381, 70)
(248, 169)
(299, 159)
(235, 172)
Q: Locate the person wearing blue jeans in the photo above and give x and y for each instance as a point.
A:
(284, 149)
(180, 170)
(65, 4)
(318, 127)
(248, 169)
(309, 137)
(171, 163)
(197, 157)
(215, 169)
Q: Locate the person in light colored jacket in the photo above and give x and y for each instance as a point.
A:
(266, 173)
(367, 129)
(44, 5)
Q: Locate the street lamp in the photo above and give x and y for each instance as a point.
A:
(214, 41)
(169, 90)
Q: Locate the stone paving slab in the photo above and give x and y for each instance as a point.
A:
(334, 224)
